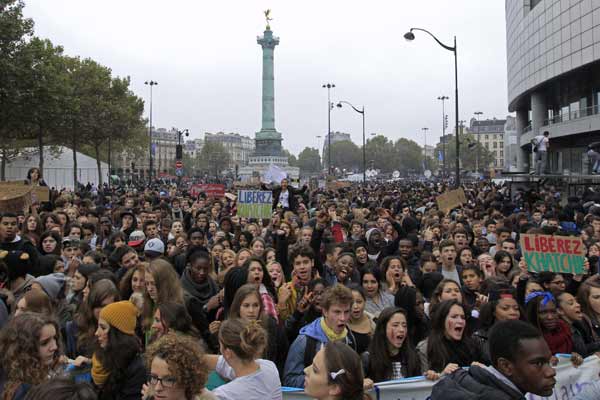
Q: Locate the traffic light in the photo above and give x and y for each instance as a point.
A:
(132, 165)
(178, 152)
(446, 121)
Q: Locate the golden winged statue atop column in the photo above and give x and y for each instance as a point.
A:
(268, 18)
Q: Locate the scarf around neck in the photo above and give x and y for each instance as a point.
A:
(560, 340)
(201, 291)
(99, 374)
(331, 335)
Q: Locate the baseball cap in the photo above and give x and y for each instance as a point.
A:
(136, 238)
(154, 246)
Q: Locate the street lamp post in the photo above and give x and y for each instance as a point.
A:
(477, 114)
(411, 36)
(329, 86)
(151, 84)
(362, 112)
(443, 99)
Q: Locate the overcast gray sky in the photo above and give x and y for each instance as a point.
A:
(207, 62)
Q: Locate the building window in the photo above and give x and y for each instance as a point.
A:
(495, 145)
(486, 137)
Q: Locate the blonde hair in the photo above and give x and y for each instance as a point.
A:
(168, 288)
(246, 339)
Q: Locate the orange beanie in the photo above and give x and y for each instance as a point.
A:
(121, 315)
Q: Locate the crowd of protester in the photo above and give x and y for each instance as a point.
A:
(129, 293)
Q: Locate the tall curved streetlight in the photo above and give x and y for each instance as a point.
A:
(411, 36)
(362, 112)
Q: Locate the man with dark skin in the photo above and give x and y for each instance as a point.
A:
(521, 363)
(11, 241)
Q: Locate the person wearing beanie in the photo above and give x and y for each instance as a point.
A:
(51, 284)
(118, 370)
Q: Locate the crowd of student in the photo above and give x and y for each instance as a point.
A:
(149, 292)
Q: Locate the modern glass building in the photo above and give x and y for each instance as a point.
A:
(553, 64)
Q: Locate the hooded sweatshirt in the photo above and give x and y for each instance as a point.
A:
(293, 372)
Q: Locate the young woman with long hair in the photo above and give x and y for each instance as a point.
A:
(248, 306)
(504, 263)
(80, 339)
(251, 378)
(133, 281)
(377, 298)
(276, 272)
(588, 296)
(361, 322)
(173, 317)
(35, 300)
(335, 374)
(585, 342)
(258, 275)
(391, 354)
(118, 370)
(162, 285)
(541, 311)
(501, 306)
(32, 228)
(242, 256)
(447, 348)
(79, 282)
(176, 361)
(29, 352)
(411, 301)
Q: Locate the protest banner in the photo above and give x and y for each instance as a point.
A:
(38, 193)
(254, 203)
(335, 185)
(212, 190)
(561, 254)
(570, 381)
(451, 199)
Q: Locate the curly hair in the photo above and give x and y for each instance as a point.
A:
(185, 358)
(19, 351)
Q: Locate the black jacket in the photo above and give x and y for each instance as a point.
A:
(293, 192)
(476, 383)
(128, 385)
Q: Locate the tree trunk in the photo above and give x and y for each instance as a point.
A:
(110, 159)
(41, 150)
(99, 164)
(74, 164)
(3, 166)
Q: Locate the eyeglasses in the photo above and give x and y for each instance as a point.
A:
(166, 382)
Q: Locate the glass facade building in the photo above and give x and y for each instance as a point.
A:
(553, 68)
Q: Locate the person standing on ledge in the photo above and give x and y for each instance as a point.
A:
(541, 144)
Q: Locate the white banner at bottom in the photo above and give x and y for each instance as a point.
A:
(569, 382)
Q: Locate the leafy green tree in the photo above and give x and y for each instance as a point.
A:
(345, 155)
(382, 151)
(15, 32)
(408, 155)
(309, 161)
(213, 158)
(468, 153)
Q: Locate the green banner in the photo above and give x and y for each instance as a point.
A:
(254, 204)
